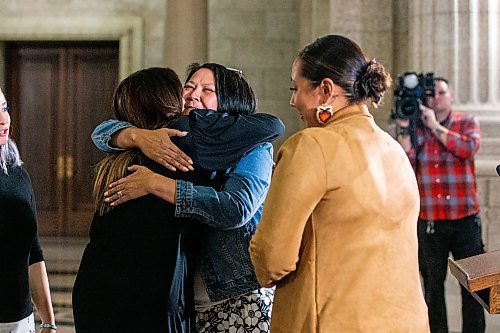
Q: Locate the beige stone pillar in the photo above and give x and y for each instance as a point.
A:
(186, 35)
(314, 20)
(459, 40)
(371, 29)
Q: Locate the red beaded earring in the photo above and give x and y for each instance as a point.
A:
(323, 113)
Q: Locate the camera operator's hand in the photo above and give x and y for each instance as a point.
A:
(428, 117)
(429, 120)
(402, 122)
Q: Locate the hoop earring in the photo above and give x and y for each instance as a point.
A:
(323, 113)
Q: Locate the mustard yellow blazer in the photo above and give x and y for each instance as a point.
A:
(338, 235)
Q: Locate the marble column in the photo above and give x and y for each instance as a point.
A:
(186, 35)
(367, 22)
(458, 39)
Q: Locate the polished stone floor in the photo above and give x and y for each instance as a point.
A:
(63, 255)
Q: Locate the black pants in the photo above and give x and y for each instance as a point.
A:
(436, 240)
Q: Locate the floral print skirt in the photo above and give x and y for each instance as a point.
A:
(246, 313)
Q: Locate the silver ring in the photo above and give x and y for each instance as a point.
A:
(120, 193)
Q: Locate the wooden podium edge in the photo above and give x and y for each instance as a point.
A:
(470, 283)
(488, 296)
(461, 275)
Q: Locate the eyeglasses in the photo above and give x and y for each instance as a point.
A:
(239, 71)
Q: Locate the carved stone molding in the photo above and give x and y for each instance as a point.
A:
(128, 30)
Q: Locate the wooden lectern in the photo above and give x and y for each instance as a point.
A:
(480, 275)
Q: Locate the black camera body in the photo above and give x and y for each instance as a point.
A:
(412, 90)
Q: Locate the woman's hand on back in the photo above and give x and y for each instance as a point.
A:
(156, 145)
(133, 186)
(142, 181)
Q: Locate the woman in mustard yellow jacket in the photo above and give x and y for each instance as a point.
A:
(338, 232)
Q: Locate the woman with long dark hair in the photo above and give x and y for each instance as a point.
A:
(136, 273)
(227, 294)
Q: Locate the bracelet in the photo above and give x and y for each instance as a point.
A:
(403, 131)
(51, 326)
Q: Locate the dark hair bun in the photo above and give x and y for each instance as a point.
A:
(372, 83)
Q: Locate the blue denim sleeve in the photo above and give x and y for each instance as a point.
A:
(103, 132)
(240, 197)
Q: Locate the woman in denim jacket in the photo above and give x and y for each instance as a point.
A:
(227, 293)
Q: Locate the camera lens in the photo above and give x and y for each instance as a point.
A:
(407, 108)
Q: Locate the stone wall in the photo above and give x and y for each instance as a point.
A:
(151, 12)
(370, 24)
(259, 37)
(489, 199)
(264, 47)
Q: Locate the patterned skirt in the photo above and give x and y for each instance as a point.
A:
(246, 313)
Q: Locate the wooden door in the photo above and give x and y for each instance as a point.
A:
(58, 93)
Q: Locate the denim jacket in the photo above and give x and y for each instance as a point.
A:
(230, 217)
(229, 214)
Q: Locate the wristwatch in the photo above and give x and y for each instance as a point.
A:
(45, 325)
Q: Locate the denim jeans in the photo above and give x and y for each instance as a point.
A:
(436, 240)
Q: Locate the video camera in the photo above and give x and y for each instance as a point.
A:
(411, 91)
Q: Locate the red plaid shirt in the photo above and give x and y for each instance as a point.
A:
(446, 174)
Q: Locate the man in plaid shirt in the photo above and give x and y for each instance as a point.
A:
(443, 159)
